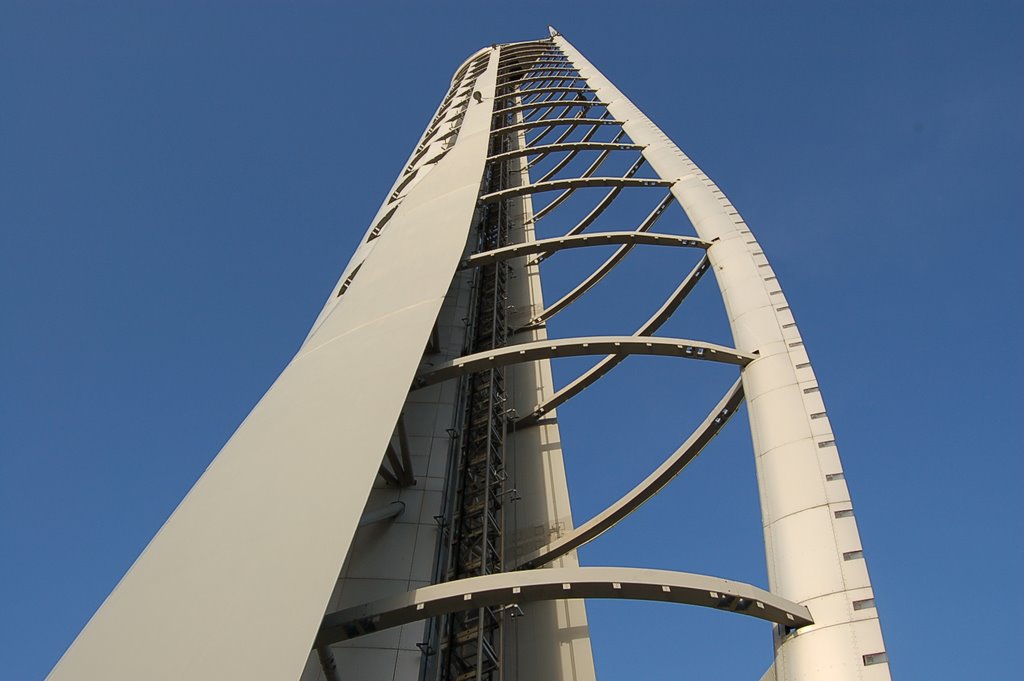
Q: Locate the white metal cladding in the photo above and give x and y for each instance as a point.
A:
(814, 557)
(235, 583)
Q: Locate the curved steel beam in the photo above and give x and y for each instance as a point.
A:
(547, 246)
(536, 65)
(605, 201)
(517, 72)
(564, 146)
(653, 484)
(562, 115)
(540, 79)
(549, 105)
(569, 129)
(557, 121)
(529, 49)
(526, 98)
(531, 59)
(540, 82)
(529, 52)
(599, 208)
(589, 377)
(555, 169)
(544, 103)
(545, 92)
(588, 219)
(574, 183)
(557, 61)
(541, 104)
(557, 64)
(575, 347)
(528, 44)
(605, 267)
(559, 583)
(537, 91)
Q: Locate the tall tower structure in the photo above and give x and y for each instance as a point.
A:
(397, 501)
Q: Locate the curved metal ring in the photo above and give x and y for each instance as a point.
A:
(574, 183)
(558, 583)
(574, 347)
(548, 246)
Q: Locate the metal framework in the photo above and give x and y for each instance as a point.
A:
(497, 590)
(416, 429)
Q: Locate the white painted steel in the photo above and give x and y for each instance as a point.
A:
(574, 183)
(609, 264)
(564, 146)
(798, 468)
(568, 104)
(559, 583)
(548, 246)
(235, 583)
(651, 485)
(591, 375)
(585, 345)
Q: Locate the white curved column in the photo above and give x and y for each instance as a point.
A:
(812, 545)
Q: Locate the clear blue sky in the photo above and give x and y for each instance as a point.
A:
(181, 183)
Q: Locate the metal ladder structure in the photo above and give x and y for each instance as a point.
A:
(472, 644)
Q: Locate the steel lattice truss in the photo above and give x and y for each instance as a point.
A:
(513, 109)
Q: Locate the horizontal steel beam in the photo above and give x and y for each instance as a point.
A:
(607, 266)
(539, 91)
(535, 65)
(533, 50)
(575, 347)
(524, 86)
(654, 483)
(587, 103)
(541, 79)
(573, 183)
(559, 583)
(567, 159)
(522, 44)
(541, 122)
(548, 246)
